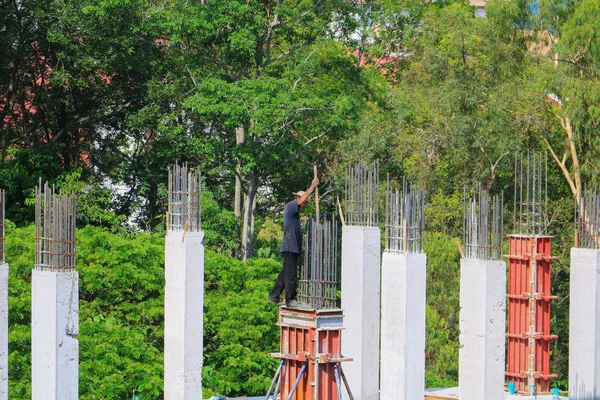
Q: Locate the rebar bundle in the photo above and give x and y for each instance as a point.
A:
(361, 194)
(587, 221)
(530, 195)
(482, 219)
(2, 226)
(404, 222)
(54, 230)
(317, 285)
(184, 199)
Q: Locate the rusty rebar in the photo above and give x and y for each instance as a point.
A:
(55, 230)
(317, 285)
(483, 228)
(184, 199)
(361, 194)
(587, 220)
(404, 221)
(530, 195)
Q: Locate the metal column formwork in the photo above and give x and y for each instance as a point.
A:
(529, 286)
(311, 346)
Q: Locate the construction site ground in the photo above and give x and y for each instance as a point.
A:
(450, 393)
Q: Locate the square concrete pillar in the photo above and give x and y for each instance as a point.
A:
(184, 302)
(403, 301)
(361, 272)
(54, 329)
(481, 356)
(3, 331)
(584, 325)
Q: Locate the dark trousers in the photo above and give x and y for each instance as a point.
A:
(287, 278)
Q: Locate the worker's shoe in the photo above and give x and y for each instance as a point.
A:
(275, 300)
(294, 304)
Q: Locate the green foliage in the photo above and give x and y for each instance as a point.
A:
(443, 308)
(444, 214)
(94, 202)
(269, 238)
(239, 328)
(218, 225)
(441, 354)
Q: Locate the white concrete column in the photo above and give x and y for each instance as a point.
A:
(403, 287)
(481, 355)
(184, 301)
(360, 301)
(584, 325)
(54, 329)
(3, 331)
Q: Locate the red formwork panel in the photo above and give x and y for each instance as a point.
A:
(310, 339)
(528, 337)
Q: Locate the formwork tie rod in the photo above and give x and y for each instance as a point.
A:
(297, 381)
(275, 379)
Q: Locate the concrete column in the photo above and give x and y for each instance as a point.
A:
(584, 325)
(403, 286)
(3, 331)
(481, 355)
(184, 301)
(360, 301)
(54, 329)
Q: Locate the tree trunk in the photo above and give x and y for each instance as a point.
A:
(247, 243)
(237, 201)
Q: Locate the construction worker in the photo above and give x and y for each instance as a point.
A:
(291, 247)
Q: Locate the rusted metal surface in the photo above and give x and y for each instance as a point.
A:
(361, 194)
(311, 338)
(54, 230)
(317, 285)
(2, 226)
(529, 296)
(404, 221)
(482, 219)
(184, 199)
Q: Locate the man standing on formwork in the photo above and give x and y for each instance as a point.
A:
(290, 248)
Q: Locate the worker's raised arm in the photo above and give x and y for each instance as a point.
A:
(306, 195)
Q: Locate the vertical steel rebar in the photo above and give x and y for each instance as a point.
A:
(404, 219)
(531, 199)
(588, 220)
(361, 194)
(184, 199)
(483, 216)
(317, 286)
(55, 238)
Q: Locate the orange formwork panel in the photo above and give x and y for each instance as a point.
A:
(311, 344)
(528, 348)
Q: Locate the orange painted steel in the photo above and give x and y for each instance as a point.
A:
(528, 355)
(314, 338)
